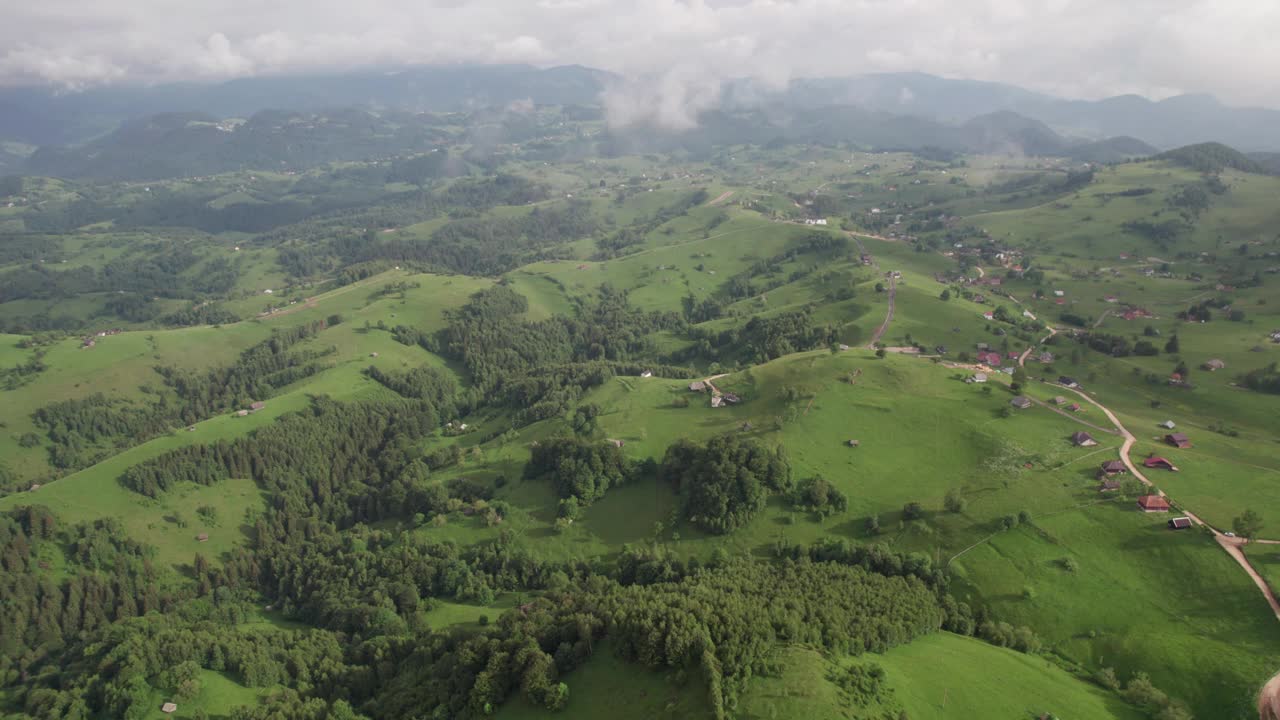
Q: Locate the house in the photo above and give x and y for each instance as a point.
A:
(1214, 364)
(1045, 357)
(373, 354)
(617, 443)
(981, 299)
(1168, 425)
(976, 378)
(1175, 378)
(1153, 503)
(1179, 523)
(983, 347)
(991, 358)
(1074, 407)
(989, 315)
(169, 708)
(1178, 440)
(854, 443)
(1065, 381)
(1083, 439)
(697, 386)
(716, 401)
(256, 405)
(866, 259)
(1109, 485)
(242, 413)
(1012, 355)
(1059, 301)
(843, 347)
(731, 398)
(202, 537)
(1022, 402)
(1114, 467)
(1058, 293)
(1111, 298)
(1156, 461)
(1059, 400)
(646, 374)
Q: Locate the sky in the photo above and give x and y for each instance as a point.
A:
(1070, 48)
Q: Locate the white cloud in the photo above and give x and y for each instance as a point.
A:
(1079, 48)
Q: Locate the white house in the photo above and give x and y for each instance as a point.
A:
(1058, 293)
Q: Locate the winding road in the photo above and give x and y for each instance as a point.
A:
(888, 318)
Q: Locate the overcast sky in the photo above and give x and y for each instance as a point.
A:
(1075, 48)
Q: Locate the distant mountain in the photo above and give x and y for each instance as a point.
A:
(42, 116)
(1211, 158)
(1009, 132)
(1169, 123)
(1111, 150)
(1269, 161)
(188, 144)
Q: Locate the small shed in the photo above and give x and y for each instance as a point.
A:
(1059, 400)
(1214, 364)
(1178, 440)
(169, 708)
(1083, 439)
(1109, 485)
(242, 413)
(732, 398)
(646, 374)
(1153, 503)
(1179, 523)
(854, 443)
(717, 401)
(1068, 382)
(1168, 425)
(1022, 402)
(1074, 407)
(697, 386)
(617, 443)
(257, 405)
(202, 537)
(976, 378)
(373, 354)
(1156, 461)
(1114, 467)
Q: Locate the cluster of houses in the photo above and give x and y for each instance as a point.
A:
(1137, 313)
(89, 341)
(1109, 473)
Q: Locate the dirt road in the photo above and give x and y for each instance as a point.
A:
(721, 198)
(888, 318)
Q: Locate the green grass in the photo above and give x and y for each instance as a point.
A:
(1144, 598)
(949, 676)
(607, 685)
(218, 696)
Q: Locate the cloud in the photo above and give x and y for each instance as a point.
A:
(678, 50)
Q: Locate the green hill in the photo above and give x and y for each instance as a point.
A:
(1211, 158)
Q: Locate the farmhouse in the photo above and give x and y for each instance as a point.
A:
(989, 315)
(1114, 467)
(976, 378)
(1179, 523)
(1074, 407)
(697, 386)
(1083, 439)
(1022, 402)
(1156, 461)
(1153, 503)
(1214, 364)
(1178, 440)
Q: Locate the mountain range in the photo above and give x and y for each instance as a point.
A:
(175, 128)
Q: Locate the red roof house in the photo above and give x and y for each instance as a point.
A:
(1153, 503)
(1159, 462)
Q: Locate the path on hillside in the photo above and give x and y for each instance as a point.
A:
(1022, 359)
(1102, 317)
(310, 302)
(888, 318)
(723, 196)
